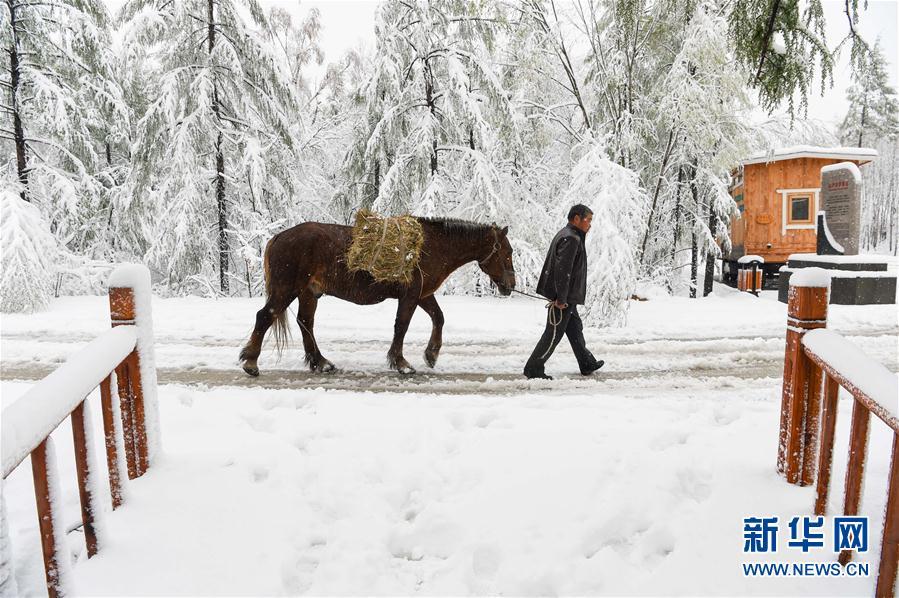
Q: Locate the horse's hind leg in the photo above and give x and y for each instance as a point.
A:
(273, 309)
(307, 304)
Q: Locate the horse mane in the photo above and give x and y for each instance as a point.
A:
(454, 226)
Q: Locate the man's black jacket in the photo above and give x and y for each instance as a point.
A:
(564, 275)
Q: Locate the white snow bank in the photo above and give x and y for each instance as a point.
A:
(811, 277)
(850, 166)
(289, 493)
(137, 278)
(867, 375)
(746, 259)
(39, 411)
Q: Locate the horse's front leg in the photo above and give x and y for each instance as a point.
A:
(430, 307)
(404, 312)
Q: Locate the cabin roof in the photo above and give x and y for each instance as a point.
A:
(859, 154)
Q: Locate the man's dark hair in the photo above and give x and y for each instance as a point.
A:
(579, 210)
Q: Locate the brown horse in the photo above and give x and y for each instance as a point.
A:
(309, 260)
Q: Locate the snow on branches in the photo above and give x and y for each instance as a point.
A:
(29, 253)
(619, 207)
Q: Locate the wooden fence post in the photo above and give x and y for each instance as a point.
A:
(855, 465)
(825, 458)
(80, 434)
(112, 461)
(129, 303)
(800, 398)
(122, 311)
(889, 546)
(44, 491)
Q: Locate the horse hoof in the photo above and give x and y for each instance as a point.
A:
(430, 359)
(325, 367)
(406, 370)
(251, 370)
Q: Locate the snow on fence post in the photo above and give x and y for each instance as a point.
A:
(801, 397)
(129, 303)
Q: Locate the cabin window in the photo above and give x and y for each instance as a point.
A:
(800, 209)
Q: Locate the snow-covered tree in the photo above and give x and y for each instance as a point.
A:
(434, 104)
(880, 204)
(330, 110)
(873, 109)
(619, 207)
(782, 44)
(706, 106)
(61, 105)
(29, 253)
(219, 123)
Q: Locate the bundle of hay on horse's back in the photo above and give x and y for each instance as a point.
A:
(386, 248)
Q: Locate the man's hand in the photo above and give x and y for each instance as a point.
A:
(560, 305)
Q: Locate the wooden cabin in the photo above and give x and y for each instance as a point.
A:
(777, 195)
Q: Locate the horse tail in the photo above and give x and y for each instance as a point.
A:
(280, 330)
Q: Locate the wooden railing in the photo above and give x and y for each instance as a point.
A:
(816, 358)
(111, 360)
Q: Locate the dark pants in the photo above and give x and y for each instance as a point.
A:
(568, 324)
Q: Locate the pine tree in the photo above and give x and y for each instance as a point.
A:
(60, 94)
(782, 43)
(29, 252)
(434, 105)
(880, 203)
(873, 109)
(59, 97)
(218, 124)
(619, 206)
(707, 106)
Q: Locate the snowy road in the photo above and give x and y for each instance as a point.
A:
(700, 344)
(698, 362)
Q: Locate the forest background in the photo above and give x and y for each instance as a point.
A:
(183, 134)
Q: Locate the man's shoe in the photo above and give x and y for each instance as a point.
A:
(537, 375)
(596, 365)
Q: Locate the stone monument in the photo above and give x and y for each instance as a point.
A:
(840, 215)
(855, 279)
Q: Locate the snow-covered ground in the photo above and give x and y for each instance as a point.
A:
(463, 480)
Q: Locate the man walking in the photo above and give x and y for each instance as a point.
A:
(564, 282)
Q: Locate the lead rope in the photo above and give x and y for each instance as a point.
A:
(529, 295)
(553, 319)
(554, 322)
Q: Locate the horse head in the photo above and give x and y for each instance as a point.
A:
(497, 264)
